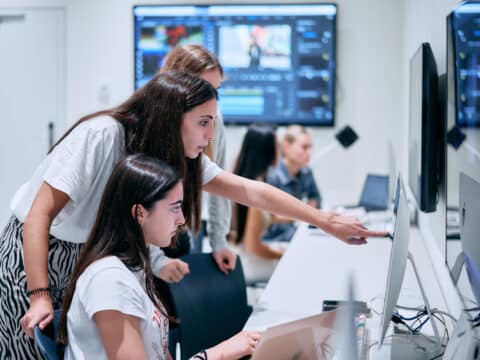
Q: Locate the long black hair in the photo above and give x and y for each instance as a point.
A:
(257, 153)
(136, 180)
(152, 118)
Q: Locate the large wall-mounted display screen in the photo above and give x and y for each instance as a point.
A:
(279, 60)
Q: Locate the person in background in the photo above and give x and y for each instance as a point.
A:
(254, 52)
(197, 60)
(111, 310)
(293, 176)
(257, 153)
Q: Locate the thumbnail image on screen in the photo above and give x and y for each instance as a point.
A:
(155, 41)
(466, 39)
(253, 46)
(279, 59)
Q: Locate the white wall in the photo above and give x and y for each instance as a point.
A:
(375, 41)
(369, 80)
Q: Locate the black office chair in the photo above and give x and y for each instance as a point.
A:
(210, 305)
(46, 339)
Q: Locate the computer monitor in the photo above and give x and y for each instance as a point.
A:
(375, 193)
(396, 197)
(425, 129)
(466, 52)
(398, 260)
(396, 272)
(470, 230)
(279, 59)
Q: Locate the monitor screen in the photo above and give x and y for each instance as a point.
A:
(424, 129)
(279, 59)
(465, 27)
(469, 203)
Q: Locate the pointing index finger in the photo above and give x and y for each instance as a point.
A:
(373, 233)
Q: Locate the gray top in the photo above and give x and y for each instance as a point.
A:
(302, 186)
(219, 208)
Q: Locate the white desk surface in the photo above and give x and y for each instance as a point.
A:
(317, 266)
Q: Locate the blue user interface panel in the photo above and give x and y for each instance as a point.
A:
(466, 40)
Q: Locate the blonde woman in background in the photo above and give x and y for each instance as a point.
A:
(292, 175)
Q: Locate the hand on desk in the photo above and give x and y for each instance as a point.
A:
(350, 230)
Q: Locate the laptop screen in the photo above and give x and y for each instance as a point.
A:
(375, 193)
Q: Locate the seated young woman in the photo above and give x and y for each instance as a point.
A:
(111, 310)
(257, 153)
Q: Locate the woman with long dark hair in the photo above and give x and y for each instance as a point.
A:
(54, 211)
(199, 61)
(110, 308)
(257, 153)
(171, 118)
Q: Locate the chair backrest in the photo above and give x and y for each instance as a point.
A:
(46, 339)
(210, 305)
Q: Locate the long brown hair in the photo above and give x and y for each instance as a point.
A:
(152, 118)
(136, 180)
(194, 59)
(257, 153)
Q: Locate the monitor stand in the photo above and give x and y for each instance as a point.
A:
(407, 346)
(457, 267)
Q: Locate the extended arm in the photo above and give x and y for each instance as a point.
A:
(258, 194)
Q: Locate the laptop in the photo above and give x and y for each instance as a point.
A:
(375, 193)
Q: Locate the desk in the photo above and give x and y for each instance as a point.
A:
(321, 266)
(316, 267)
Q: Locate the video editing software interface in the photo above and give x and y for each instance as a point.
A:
(466, 35)
(279, 60)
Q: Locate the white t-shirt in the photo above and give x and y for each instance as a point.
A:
(80, 166)
(108, 284)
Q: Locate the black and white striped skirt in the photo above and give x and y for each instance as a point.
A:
(14, 303)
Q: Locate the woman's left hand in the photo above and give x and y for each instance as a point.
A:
(350, 230)
(226, 260)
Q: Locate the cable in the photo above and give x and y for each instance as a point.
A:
(442, 320)
(438, 356)
(410, 318)
(419, 327)
(434, 310)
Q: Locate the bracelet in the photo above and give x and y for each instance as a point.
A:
(202, 355)
(38, 291)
